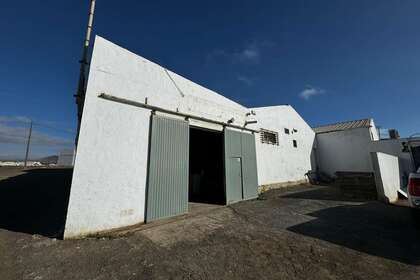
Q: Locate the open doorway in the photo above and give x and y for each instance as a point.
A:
(206, 182)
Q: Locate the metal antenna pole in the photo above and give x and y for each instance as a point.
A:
(80, 96)
(28, 144)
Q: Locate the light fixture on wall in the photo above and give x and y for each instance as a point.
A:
(231, 120)
(250, 122)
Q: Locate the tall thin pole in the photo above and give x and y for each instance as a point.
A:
(28, 144)
(80, 96)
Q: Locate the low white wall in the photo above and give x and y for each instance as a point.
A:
(347, 150)
(394, 147)
(387, 177)
(283, 163)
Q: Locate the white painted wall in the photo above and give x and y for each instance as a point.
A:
(109, 180)
(374, 131)
(127, 75)
(347, 150)
(387, 177)
(283, 163)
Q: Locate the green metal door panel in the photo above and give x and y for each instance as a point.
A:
(232, 163)
(167, 192)
(235, 180)
(233, 143)
(240, 153)
(249, 166)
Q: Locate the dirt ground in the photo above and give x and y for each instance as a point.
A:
(295, 233)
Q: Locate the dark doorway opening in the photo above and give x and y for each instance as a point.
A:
(206, 182)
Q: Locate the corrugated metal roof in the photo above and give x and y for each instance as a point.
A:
(343, 126)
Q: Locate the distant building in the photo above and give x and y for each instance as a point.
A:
(66, 158)
(347, 147)
(21, 163)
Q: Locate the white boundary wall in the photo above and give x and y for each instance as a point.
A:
(387, 177)
(395, 147)
(346, 150)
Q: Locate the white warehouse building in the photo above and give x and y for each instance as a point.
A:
(152, 141)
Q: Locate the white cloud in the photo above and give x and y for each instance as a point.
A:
(251, 53)
(310, 92)
(14, 119)
(19, 135)
(218, 53)
(246, 80)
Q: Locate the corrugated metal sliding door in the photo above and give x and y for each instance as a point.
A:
(249, 166)
(240, 165)
(167, 191)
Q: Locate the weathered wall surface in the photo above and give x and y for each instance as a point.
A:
(127, 75)
(387, 176)
(109, 180)
(347, 150)
(283, 163)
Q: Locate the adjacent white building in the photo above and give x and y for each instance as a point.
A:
(292, 156)
(345, 146)
(151, 141)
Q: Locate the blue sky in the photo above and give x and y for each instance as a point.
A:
(332, 60)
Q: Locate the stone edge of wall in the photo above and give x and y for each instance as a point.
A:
(265, 188)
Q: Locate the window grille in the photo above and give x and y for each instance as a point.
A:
(269, 137)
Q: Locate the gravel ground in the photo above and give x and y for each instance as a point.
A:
(295, 233)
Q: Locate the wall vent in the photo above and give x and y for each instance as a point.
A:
(269, 137)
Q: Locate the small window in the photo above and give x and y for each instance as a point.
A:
(295, 143)
(295, 130)
(287, 131)
(269, 137)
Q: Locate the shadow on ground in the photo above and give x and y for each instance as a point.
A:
(370, 227)
(36, 201)
(328, 193)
